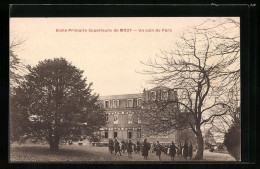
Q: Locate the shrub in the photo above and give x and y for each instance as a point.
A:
(232, 141)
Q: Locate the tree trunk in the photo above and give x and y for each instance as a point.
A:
(199, 155)
(53, 140)
(54, 146)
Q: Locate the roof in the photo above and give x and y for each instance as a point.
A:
(122, 96)
(159, 88)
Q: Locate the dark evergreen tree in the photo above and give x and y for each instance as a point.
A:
(54, 104)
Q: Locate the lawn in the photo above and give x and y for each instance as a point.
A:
(71, 153)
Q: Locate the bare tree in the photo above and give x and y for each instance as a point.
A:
(203, 67)
(17, 67)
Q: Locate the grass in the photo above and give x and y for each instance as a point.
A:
(76, 153)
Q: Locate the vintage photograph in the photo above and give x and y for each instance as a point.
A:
(124, 89)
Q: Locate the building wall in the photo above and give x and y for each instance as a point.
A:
(123, 126)
(123, 105)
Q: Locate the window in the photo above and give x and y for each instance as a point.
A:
(116, 119)
(106, 104)
(115, 134)
(130, 103)
(117, 103)
(139, 102)
(114, 103)
(106, 117)
(139, 134)
(135, 102)
(174, 95)
(165, 95)
(129, 119)
(106, 134)
(138, 120)
(153, 95)
(129, 134)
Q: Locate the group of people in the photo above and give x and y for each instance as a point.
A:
(184, 149)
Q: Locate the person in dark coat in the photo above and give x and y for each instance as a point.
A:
(111, 146)
(138, 146)
(190, 151)
(146, 147)
(126, 144)
(123, 146)
(185, 150)
(129, 148)
(117, 147)
(158, 149)
(172, 150)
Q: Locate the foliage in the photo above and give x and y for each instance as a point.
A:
(233, 140)
(54, 104)
(187, 135)
(17, 67)
(221, 147)
(95, 138)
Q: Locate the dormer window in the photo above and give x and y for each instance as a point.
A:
(139, 102)
(114, 103)
(130, 103)
(165, 95)
(106, 104)
(117, 103)
(153, 95)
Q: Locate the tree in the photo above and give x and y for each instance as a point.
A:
(17, 67)
(54, 104)
(203, 67)
(209, 139)
(16, 73)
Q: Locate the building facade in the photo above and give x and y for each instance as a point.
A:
(124, 118)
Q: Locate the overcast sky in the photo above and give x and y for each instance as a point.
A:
(110, 60)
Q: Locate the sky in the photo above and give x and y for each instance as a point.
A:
(111, 60)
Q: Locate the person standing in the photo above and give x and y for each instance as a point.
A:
(111, 146)
(172, 150)
(117, 147)
(138, 146)
(145, 149)
(190, 151)
(185, 150)
(158, 149)
(129, 148)
(123, 146)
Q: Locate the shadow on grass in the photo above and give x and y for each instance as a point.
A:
(44, 150)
